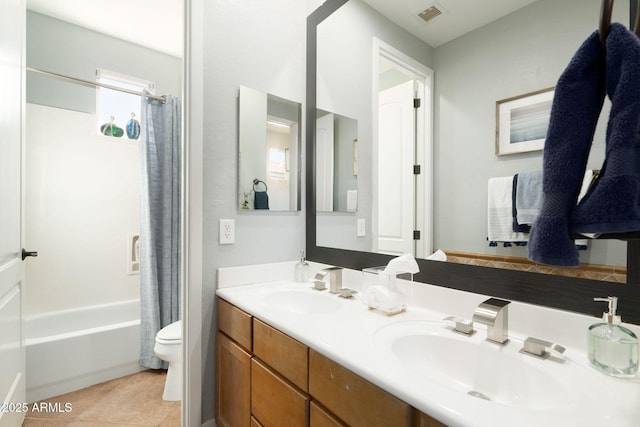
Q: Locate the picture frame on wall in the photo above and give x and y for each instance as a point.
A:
(522, 122)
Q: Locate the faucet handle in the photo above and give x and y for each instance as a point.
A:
(463, 326)
(536, 347)
(319, 285)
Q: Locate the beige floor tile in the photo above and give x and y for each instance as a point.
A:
(132, 401)
(135, 401)
(37, 422)
(80, 400)
(99, 424)
(174, 418)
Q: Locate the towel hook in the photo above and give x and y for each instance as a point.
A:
(605, 20)
(636, 26)
(256, 181)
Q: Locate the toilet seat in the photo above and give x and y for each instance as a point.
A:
(170, 334)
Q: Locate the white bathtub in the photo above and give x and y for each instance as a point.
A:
(72, 349)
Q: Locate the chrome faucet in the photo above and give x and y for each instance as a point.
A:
(494, 313)
(335, 279)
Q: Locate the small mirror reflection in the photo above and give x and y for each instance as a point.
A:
(269, 147)
(336, 163)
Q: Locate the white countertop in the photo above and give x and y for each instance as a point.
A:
(358, 339)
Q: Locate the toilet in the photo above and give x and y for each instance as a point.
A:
(169, 348)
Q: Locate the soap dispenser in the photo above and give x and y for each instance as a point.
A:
(613, 349)
(302, 269)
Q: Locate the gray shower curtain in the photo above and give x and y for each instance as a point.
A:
(159, 222)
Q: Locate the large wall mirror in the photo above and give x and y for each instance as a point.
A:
(269, 146)
(522, 49)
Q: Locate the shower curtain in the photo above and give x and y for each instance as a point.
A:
(159, 222)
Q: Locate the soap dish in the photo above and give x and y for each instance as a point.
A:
(390, 311)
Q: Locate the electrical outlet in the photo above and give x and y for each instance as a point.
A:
(361, 228)
(227, 235)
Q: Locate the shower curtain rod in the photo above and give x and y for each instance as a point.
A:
(94, 84)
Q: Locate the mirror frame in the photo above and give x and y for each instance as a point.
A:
(559, 292)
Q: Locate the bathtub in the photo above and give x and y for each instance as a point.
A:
(72, 349)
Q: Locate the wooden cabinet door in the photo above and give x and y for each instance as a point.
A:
(274, 401)
(233, 383)
(355, 400)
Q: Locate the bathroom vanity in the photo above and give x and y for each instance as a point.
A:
(288, 383)
(288, 355)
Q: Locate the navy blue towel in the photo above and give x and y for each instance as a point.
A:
(612, 205)
(261, 200)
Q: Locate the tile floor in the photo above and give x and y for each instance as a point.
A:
(131, 401)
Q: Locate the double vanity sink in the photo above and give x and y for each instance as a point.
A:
(459, 379)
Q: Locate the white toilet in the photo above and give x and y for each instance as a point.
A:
(169, 348)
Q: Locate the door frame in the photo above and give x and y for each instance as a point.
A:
(424, 151)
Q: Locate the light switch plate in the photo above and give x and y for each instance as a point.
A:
(227, 234)
(361, 228)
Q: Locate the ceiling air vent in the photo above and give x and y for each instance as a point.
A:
(430, 13)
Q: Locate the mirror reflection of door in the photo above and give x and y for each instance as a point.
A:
(396, 142)
(324, 162)
(336, 163)
(402, 215)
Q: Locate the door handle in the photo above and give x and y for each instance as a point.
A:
(26, 253)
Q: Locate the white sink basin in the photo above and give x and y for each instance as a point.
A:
(304, 301)
(481, 369)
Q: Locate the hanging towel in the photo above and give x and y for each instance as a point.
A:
(517, 227)
(528, 196)
(613, 203)
(500, 211)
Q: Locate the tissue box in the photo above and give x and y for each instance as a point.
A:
(386, 293)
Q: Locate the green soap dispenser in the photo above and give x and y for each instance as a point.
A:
(613, 349)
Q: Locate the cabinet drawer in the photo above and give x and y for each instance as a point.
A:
(274, 402)
(352, 398)
(233, 383)
(287, 356)
(319, 417)
(235, 323)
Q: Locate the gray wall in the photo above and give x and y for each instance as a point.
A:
(60, 47)
(260, 45)
(520, 53)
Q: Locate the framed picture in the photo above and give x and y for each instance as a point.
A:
(522, 122)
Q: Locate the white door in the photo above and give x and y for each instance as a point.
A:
(395, 169)
(324, 163)
(12, 359)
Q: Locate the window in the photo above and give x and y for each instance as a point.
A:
(115, 109)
